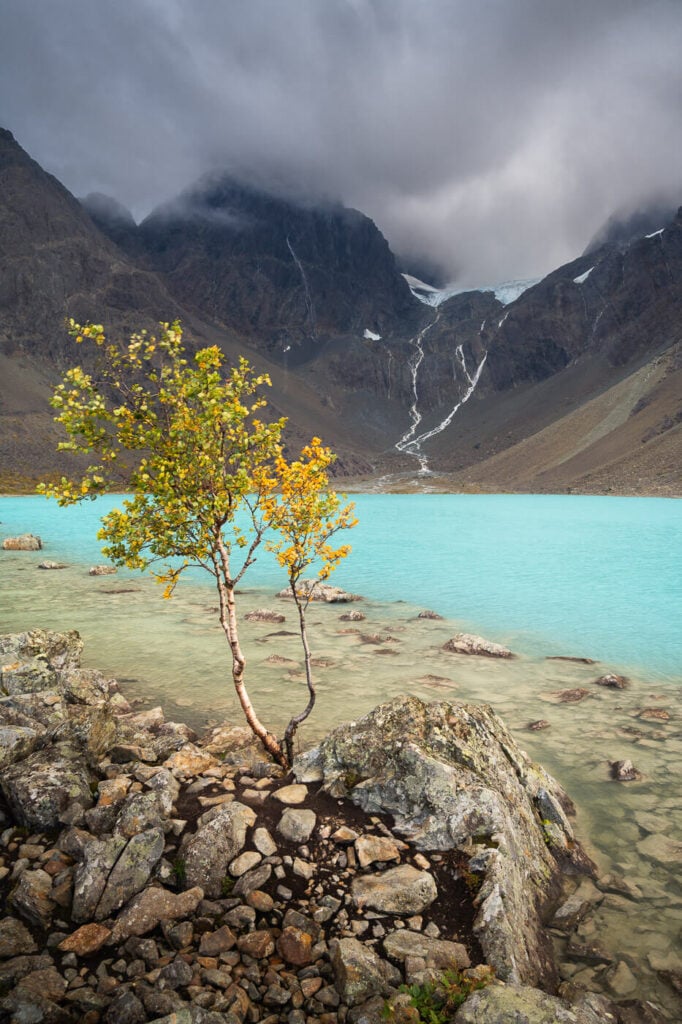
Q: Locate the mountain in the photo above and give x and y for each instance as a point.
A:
(572, 382)
(283, 275)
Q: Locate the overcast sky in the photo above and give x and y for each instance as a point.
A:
(492, 136)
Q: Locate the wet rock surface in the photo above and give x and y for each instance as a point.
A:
(163, 890)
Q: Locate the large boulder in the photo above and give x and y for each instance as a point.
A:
(451, 776)
(469, 643)
(514, 1004)
(40, 788)
(61, 650)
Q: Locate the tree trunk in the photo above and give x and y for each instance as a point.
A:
(228, 620)
(298, 719)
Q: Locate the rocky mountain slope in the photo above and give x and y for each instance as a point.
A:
(574, 385)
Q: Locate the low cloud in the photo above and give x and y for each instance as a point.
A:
(487, 137)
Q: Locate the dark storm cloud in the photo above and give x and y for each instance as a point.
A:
(493, 136)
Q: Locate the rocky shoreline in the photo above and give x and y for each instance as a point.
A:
(147, 874)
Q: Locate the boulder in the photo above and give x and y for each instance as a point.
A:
(215, 844)
(297, 825)
(30, 898)
(47, 564)
(468, 643)
(61, 650)
(40, 788)
(17, 742)
(101, 570)
(24, 542)
(612, 681)
(451, 774)
(32, 676)
(404, 890)
(514, 1004)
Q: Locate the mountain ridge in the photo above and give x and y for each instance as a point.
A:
(313, 295)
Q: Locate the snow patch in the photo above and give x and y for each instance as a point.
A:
(583, 277)
(654, 233)
(505, 293)
(370, 335)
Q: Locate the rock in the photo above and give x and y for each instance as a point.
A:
(15, 939)
(214, 845)
(567, 657)
(34, 675)
(264, 842)
(61, 650)
(51, 565)
(264, 615)
(31, 898)
(514, 1004)
(291, 795)
(620, 979)
(177, 974)
(426, 614)
(24, 542)
(245, 862)
(468, 643)
(439, 954)
(358, 972)
(217, 942)
(661, 849)
(403, 890)
(570, 913)
(573, 696)
(295, 946)
(130, 873)
(139, 812)
(318, 591)
(654, 715)
(352, 616)
(624, 771)
(541, 723)
(152, 906)
(102, 570)
(344, 835)
(125, 1008)
(449, 774)
(190, 761)
(375, 848)
(296, 825)
(41, 787)
(85, 940)
(258, 944)
(255, 879)
(17, 742)
(613, 681)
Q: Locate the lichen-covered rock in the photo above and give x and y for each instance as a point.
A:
(29, 676)
(450, 774)
(16, 743)
(514, 1004)
(468, 643)
(210, 850)
(151, 907)
(24, 542)
(62, 650)
(41, 787)
(30, 898)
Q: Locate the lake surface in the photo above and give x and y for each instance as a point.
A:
(578, 576)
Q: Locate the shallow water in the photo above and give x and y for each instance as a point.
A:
(173, 653)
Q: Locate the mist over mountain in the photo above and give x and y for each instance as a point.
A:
(573, 382)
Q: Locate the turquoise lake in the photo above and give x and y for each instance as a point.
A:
(592, 576)
(582, 577)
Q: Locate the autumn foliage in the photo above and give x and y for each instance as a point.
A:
(208, 478)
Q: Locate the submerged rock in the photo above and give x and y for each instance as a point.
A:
(624, 771)
(264, 615)
(318, 591)
(102, 570)
(468, 643)
(451, 774)
(612, 681)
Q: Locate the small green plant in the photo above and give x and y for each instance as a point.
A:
(226, 886)
(437, 1001)
(180, 871)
